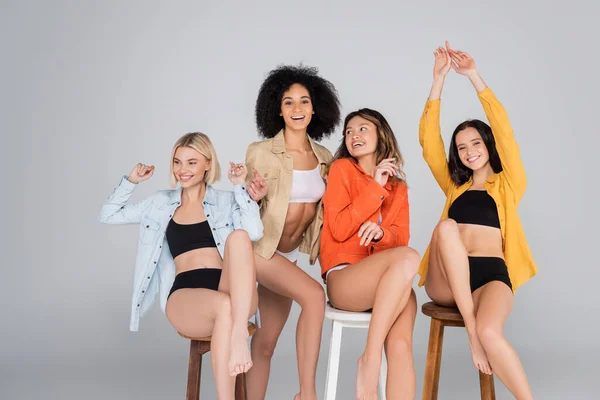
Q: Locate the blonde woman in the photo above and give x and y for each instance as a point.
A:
(186, 252)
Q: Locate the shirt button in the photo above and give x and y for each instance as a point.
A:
(226, 224)
(248, 201)
(170, 216)
(143, 291)
(243, 188)
(148, 277)
(207, 215)
(381, 197)
(214, 229)
(154, 262)
(147, 226)
(138, 305)
(218, 244)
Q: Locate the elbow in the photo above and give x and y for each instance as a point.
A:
(103, 218)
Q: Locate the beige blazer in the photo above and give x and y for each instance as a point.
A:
(276, 166)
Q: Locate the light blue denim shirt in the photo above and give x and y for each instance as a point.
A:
(154, 265)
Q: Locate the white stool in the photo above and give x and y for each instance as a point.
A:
(346, 319)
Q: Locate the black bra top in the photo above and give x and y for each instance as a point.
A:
(184, 238)
(475, 207)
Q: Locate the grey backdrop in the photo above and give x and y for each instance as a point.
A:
(91, 88)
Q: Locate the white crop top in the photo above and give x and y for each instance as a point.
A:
(307, 186)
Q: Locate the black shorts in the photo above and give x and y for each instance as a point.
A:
(201, 278)
(487, 269)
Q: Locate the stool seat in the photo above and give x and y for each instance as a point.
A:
(346, 316)
(251, 330)
(442, 313)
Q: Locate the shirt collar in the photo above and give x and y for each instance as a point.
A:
(279, 146)
(210, 196)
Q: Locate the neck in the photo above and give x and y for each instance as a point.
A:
(194, 193)
(482, 174)
(368, 164)
(295, 139)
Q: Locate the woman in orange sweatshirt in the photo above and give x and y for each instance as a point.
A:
(478, 254)
(364, 257)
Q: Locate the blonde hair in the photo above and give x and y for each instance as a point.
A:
(202, 144)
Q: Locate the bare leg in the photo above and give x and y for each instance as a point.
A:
(401, 377)
(448, 259)
(494, 304)
(204, 312)
(239, 280)
(274, 312)
(285, 278)
(383, 282)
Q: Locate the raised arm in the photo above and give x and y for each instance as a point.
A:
(116, 210)
(245, 211)
(344, 214)
(430, 136)
(255, 185)
(508, 149)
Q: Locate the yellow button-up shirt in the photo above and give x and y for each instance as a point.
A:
(506, 187)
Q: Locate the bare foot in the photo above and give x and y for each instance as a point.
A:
(240, 360)
(478, 353)
(367, 378)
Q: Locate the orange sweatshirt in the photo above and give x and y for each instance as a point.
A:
(353, 197)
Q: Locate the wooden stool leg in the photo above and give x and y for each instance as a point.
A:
(197, 348)
(434, 360)
(240, 387)
(486, 385)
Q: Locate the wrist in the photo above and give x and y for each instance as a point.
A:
(132, 181)
(473, 75)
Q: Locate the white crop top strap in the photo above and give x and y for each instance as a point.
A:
(307, 186)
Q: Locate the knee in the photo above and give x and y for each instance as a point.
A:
(488, 335)
(263, 345)
(237, 238)
(313, 297)
(406, 260)
(398, 347)
(446, 227)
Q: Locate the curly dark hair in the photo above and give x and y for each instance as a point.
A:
(458, 171)
(322, 93)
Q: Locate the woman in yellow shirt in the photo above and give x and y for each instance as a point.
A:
(478, 254)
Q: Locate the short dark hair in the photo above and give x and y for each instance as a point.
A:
(458, 171)
(324, 97)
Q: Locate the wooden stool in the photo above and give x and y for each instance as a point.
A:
(198, 347)
(441, 317)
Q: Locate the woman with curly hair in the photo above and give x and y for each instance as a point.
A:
(478, 254)
(295, 107)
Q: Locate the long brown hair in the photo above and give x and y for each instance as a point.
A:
(387, 146)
